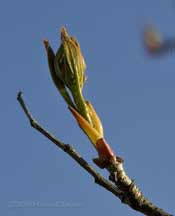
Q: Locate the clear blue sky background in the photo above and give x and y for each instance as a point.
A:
(133, 94)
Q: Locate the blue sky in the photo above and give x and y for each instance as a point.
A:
(133, 94)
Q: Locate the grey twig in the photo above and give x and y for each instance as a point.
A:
(127, 192)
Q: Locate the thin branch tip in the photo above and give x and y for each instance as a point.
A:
(19, 95)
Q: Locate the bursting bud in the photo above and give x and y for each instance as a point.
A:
(70, 66)
(69, 62)
(67, 68)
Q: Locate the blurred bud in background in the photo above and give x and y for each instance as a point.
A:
(152, 39)
(155, 44)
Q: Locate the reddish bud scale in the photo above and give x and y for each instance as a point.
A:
(104, 150)
(105, 154)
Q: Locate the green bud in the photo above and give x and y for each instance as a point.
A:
(70, 67)
(58, 83)
(69, 62)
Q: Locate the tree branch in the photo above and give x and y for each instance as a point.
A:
(122, 187)
(99, 179)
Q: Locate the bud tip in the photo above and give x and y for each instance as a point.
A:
(46, 43)
(64, 33)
